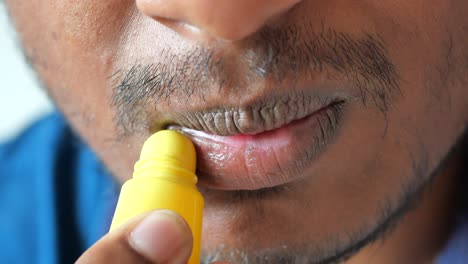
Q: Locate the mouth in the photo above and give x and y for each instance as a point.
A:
(262, 145)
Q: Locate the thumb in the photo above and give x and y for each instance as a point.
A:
(156, 237)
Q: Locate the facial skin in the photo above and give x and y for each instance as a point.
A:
(121, 70)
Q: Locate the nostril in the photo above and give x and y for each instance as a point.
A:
(191, 28)
(158, 8)
(220, 19)
(183, 28)
(174, 14)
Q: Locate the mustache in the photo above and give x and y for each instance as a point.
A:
(274, 54)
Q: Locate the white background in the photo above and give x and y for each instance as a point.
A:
(21, 99)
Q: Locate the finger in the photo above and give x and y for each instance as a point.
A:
(160, 237)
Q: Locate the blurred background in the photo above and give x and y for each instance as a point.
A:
(21, 99)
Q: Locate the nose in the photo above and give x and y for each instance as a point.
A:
(225, 19)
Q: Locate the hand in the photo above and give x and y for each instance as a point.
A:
(160, 237)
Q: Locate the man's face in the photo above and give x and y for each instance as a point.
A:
(361, 100)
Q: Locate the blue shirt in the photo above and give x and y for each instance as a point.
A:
(57, 199)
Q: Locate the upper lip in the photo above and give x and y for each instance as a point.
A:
(257, 116)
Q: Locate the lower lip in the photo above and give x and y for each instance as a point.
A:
(271, 158)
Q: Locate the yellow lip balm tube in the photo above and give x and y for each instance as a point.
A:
(164, 178)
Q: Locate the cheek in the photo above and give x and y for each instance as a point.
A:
(72, 46)
(430, 110)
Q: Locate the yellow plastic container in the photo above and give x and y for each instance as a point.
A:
(164, 178)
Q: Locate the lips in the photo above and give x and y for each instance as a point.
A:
(255, 117)
(264, 144)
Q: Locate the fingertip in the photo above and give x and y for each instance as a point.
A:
(161, 237)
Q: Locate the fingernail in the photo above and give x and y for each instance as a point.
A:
(161, 236)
